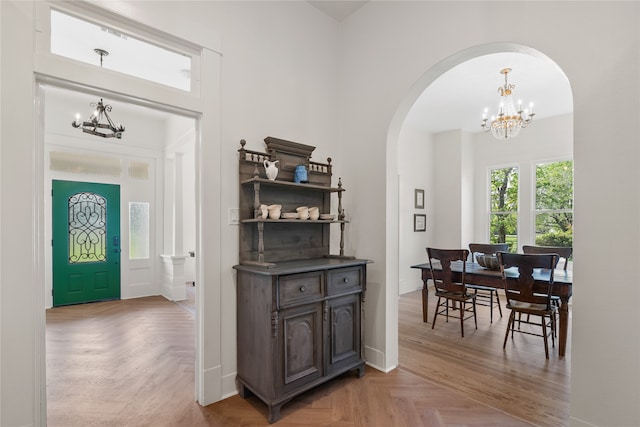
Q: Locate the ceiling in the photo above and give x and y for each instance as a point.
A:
(338, 10)
(457, 99)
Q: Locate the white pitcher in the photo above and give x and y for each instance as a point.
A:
(271, 169)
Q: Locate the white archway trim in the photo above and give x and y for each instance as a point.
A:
(392, 271)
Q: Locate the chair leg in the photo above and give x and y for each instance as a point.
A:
(491, 305)
(475, 318)
(462, 308)
(544, 334)
(435, 314)
(498, 300)
(510, 325)
(519, 320)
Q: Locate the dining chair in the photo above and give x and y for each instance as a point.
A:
(523, 298)
(446, 289)
(485, 294)
(562, 251)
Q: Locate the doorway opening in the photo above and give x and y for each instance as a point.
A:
(415, 153)
(142, 167)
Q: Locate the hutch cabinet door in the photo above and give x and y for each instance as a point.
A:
(344, 332)
(301, 346)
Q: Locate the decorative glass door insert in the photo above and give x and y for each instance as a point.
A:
(87, 228)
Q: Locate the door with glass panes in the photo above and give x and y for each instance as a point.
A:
(86, 242)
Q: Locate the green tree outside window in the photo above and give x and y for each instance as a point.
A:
(554, 204)
(504, 207)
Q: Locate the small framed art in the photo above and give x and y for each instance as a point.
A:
(419, 198)
(419, 222)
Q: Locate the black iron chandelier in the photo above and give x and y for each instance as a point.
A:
(94, 126)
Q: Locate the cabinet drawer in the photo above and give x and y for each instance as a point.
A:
(300, 288)
(344, 280)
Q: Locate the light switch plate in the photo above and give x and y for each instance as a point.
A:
(234, 216)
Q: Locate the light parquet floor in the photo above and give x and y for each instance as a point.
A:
(131, 363)
(517, 379)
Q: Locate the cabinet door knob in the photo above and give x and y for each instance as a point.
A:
(346, 280)
(302, 289)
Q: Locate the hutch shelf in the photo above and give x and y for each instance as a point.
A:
(299, 307)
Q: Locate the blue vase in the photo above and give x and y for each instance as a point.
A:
(300, 174)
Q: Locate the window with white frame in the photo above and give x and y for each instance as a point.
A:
(138, 230)
(503, 215)
(554, 203)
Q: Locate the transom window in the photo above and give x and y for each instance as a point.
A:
(77, 39)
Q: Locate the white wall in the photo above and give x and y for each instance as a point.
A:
(19, 293)
(415, 170)
(391, 51)
(453, 165)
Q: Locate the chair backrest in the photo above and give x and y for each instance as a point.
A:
(486, 248)
(443, 279)
(562, 251)
(522, 289)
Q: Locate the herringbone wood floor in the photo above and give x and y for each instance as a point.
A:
(131, 363)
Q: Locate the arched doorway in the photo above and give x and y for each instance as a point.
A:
(403, 244)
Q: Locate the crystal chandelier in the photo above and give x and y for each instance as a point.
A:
(93, 126)
(509, 121)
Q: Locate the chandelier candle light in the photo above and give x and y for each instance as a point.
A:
(509, 121)
(93, 126)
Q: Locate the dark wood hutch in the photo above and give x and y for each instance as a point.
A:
(299, 307)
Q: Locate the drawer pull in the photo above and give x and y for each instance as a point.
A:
(346, 280)
(302, 289)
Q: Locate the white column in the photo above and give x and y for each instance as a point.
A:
(173, 279)
(173, 274)
(178, 208)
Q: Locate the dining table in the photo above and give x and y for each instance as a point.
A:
(478, 275)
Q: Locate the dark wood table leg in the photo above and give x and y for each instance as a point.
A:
(564, 327)
(425, 303)
(426, 275)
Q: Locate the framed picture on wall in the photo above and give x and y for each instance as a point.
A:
(419, 222)
(419, 198)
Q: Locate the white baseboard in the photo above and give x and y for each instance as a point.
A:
(211, 387)
(376, 359)
(229, 387)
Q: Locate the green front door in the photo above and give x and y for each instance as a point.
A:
(86, 242)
